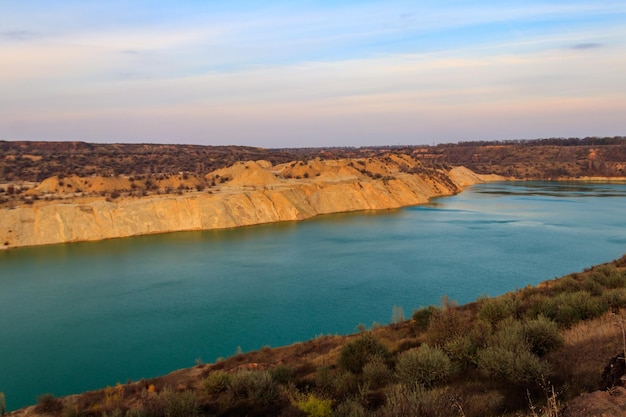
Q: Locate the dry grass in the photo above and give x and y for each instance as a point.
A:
(588, 347)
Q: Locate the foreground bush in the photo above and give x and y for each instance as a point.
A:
(542, 335)
(257, 386)
(315, 407)
(167, 403)
(402, 400)
(445, 324)
(217, 381)
(494, 310)
(377, 374)
(354, 355)
(516, 366)
(424, 366)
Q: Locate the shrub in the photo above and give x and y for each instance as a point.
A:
(377, 374)
(568, 284)
(461, 350)
(509, 335)
(47, 403)
(592, 287)
(217, 381)
(315, 407)
(350, 408)
(257, 386)
(567, 309)
(71, 410)
(354, 355)
(542, 335)
(579, 306)
(615, 299)
(282, 374)
(423, 366)
(516, 366)
(421, 317)
(180, 404)
(494, 310)
(340, 385)
(608, 276)
(445, 324)
(404, 401)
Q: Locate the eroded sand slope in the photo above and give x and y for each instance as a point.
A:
(247, 193)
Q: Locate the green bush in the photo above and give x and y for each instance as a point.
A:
(421, 317)
(615, 298)
(509, 335)
(567, 309)
(567, 284)
(461, 351)
(354, 355)
(315, 407)
(494, 310)
(515, 366)
(217, 381)
(337, 384)
(282, 374)
(377, 374)
(540, 305)
(424, 365)
(608, 276)
(579, 306)
(542, 335)
(168, 403)
(254, 385)
(592, 286)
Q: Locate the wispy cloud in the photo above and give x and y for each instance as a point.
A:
(589, 45)
(19, 35)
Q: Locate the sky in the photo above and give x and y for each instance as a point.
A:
(277, 73)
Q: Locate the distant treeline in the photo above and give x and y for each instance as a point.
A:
(588, 141)
(35, 161)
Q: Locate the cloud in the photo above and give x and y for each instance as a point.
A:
(584, 46)
(20, 35)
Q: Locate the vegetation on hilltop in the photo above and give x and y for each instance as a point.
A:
(136, 170)
(528, 352)
(544, 158)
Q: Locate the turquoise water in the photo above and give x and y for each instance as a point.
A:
(83, 316)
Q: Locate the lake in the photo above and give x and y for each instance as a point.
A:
(77, 317)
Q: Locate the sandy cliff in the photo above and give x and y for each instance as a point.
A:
(246, 194)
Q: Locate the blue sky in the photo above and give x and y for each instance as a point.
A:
(311, 73)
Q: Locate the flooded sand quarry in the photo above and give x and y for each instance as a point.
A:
(83, 316)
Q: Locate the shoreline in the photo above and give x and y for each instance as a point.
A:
(244, 194)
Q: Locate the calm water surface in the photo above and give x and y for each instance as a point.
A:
(82, 316)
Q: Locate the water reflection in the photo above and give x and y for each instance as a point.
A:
(559, 189)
